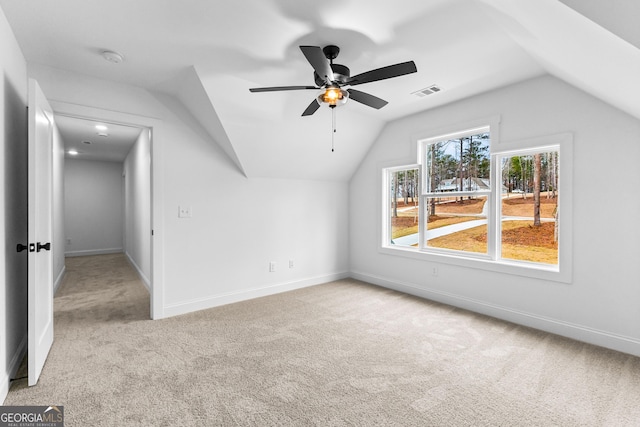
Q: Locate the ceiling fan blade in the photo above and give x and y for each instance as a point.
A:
(318, 61)
(367, 99)
(279, 88)
(312, 108)
(384, 73)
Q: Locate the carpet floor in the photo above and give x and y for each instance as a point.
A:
(344, 353)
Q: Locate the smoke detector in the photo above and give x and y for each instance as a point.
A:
(112, 56)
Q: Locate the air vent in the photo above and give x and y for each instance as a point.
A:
(427, 91)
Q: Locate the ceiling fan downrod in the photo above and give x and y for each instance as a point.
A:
(331, 52)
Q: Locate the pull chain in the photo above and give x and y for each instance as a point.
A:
(333, 126)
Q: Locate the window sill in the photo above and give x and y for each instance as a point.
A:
(530, 270)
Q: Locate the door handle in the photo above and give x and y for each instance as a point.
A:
(46, 246)
(21, 247)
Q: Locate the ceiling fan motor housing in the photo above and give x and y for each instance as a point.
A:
(331, 52)
(341, 74)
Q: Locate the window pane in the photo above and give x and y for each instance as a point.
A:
(457, 223)
(403, 207)
(530, 207)
(460, 164)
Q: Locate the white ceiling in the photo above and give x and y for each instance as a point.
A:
(215, 51)
(112, 144)
(618, 16)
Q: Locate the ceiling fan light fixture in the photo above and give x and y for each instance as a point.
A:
(334, 96)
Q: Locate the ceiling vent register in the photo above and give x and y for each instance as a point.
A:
(427, 91)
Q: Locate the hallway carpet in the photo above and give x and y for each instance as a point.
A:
(340, 354)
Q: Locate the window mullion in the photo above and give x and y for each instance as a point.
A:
(494, 228)
(421, 225)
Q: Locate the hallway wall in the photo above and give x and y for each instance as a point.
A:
(58, 235)
(137, 205)
(94, 220)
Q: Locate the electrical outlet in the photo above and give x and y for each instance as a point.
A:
(68, 240)
(185, 212)
(434, 271)
(272, 266)
(290, 263)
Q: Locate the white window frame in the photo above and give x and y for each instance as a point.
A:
(422, 144)
(563, 143)
(498, 204)
(386, 213)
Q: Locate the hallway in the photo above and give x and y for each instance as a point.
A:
(99, 289)
(101, 296)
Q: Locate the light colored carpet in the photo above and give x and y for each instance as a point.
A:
(339, 354)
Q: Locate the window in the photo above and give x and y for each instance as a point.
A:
(457, 186)
(403, 219)
(529, 215)
(467, 202)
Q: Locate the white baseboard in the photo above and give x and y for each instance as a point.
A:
(58, 281)
(231, 297)
(578, 332)
(5, 382)
(143, 277)
(93, 252)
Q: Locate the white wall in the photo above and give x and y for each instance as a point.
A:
(93, 210)
(137, 205)
(239, 225)
(58, 239)
(13, 215)
(601, 305)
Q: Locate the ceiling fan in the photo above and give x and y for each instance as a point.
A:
(334, 78)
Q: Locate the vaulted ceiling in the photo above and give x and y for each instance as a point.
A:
(209, 53)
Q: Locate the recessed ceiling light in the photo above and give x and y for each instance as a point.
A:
(101, 127)
(112, 56)
(103, 134)
(73, 152)
(86, 142)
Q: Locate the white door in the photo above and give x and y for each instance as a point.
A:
(41, 129)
